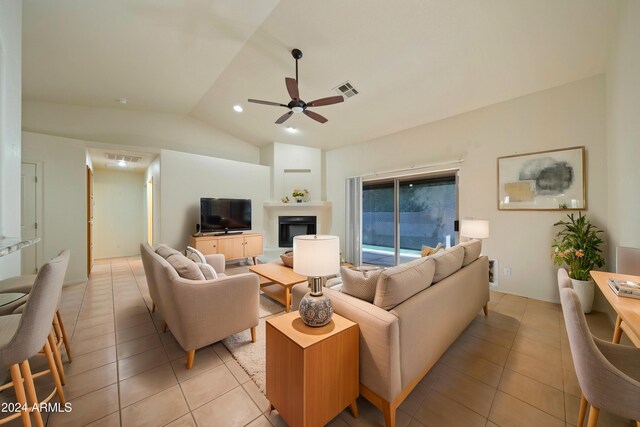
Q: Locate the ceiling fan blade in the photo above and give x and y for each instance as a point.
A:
(325, 101)
(292, 88)
(315, 116)
(257, 101)
(284, 117)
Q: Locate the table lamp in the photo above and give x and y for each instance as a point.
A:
(316, 256)
(474, 228)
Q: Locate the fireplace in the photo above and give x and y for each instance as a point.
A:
(291, 226)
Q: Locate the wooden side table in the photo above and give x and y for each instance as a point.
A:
(312, 373)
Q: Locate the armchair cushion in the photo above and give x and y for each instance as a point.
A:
(195, 255)
(185, 268)
(207, 271)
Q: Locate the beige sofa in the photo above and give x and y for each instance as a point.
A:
(201, 312)
(399, 346)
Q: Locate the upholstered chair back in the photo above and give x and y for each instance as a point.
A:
(35, 320)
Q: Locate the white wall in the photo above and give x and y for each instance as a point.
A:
(64, 188)
(187, 177)
(10, 126)
(119, 215)
(153, 173)
(566, 116)
(284, 159)
(623, 124)
(140, 128)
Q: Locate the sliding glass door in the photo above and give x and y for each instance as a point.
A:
(400, 215)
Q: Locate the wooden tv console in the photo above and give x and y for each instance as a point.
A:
(232, 246)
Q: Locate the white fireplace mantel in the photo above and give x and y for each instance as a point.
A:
(305, 205)
(272, 210)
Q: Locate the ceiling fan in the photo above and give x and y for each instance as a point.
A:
(297, 105)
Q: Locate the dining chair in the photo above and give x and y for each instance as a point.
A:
(628, 260)
(608, 374)
(23, 335)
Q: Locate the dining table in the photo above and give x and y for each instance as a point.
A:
(627, 308)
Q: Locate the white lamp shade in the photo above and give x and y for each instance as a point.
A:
(474, 228)
(316, 255)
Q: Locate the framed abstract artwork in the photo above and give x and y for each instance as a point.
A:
(546, 180)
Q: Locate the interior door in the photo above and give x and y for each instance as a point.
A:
(90, 204)
(150, 211)
(29, 220)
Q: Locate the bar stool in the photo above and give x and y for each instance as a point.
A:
(23, 284)
(23, 335)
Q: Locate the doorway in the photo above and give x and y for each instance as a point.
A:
(31, 216)
(150, 211)
(399, 215)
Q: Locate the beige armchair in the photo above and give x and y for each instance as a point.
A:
(201, 312)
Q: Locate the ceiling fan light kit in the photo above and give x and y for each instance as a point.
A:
(297, 105)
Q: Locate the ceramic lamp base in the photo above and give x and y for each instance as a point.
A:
(315, 310)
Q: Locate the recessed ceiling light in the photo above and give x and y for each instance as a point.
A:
(122, 100)
(122, 163)
(291, 129)
(238, 108)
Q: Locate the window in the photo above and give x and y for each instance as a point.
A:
(400, 215)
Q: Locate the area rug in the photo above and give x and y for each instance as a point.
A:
(251, 356)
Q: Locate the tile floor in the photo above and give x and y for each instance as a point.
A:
(512, 368)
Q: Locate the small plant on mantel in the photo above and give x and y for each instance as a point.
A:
(299, 195)
(577, 245)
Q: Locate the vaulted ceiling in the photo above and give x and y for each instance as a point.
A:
(413, 61)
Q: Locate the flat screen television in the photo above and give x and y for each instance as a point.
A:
(224, 215)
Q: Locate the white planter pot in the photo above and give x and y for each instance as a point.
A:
(584, 289)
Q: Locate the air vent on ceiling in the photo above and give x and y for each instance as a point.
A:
(123, 157)
(346, 89)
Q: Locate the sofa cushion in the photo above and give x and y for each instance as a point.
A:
(428, 250)
(165, 251)
(399, 283)
(185, 268)
(207, 271)
(360, 283)
(472, 250)
(447, 262)
(195, 255)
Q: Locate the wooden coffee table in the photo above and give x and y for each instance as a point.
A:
(276, 281)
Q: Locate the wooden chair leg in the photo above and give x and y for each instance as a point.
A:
(583, 410)
(54, 371)
(56, 357)
(253, 334)
(191, 354)
(65, 337)
(34, 404)
(18, 385)
(593, 416)
(486, 309)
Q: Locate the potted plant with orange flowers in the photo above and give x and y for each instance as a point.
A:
(577, 245)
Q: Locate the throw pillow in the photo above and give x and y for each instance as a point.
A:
(360, 284)
(165, 251)
(447, 262)
(195, 255)
(428, 250)
(399, 283)
(472, 250)
(185, 268)
(207, 271)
